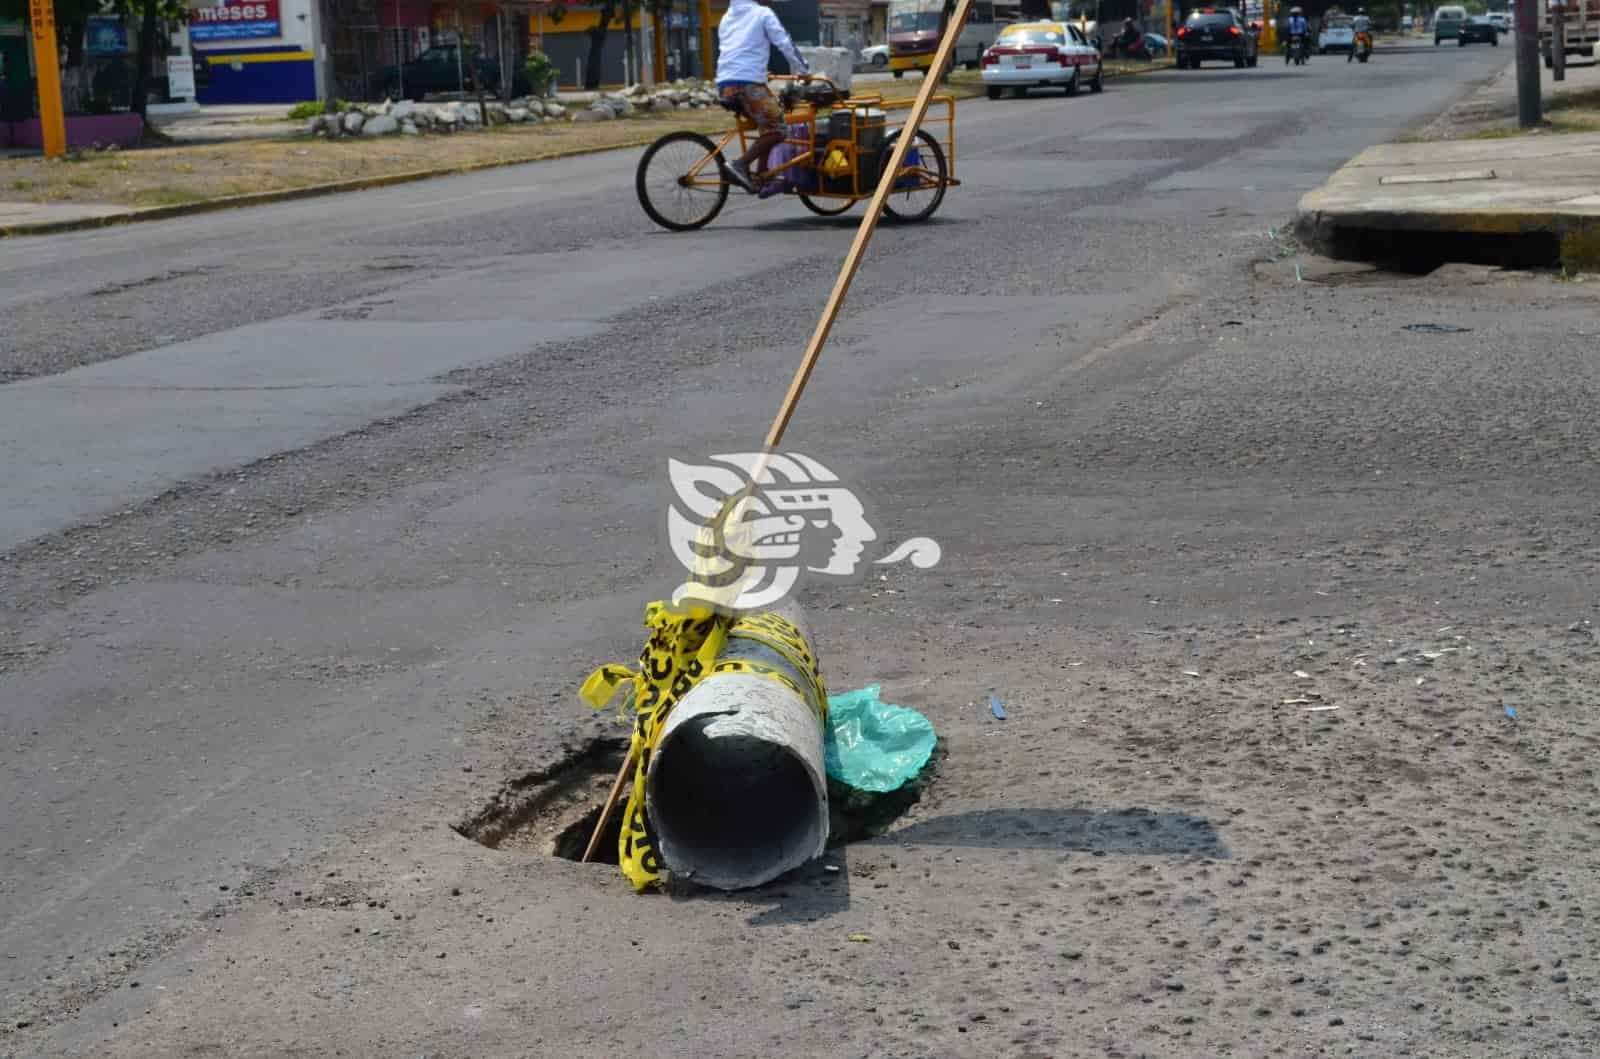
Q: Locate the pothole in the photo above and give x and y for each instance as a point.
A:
(552, 812)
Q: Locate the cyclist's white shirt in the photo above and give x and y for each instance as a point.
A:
(746, 36)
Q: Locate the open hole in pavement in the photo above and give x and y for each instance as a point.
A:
(553, 811)
(1419, 253)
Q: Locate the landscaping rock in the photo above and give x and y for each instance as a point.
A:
(552, 109)
(471, 116)
(353, 121)
(518, 115)
(315, 125)
(382, 125)
(593, 114)
(408, 129)
(403, 110)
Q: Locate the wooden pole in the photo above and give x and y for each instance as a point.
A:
(830, 312)
(611, 804)
(869, 224)
(47, 60)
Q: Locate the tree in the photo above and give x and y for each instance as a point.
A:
(153, 15)
(72, 21)
(594, 66)
(72, 18)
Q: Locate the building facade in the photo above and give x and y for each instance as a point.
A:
(254, 51)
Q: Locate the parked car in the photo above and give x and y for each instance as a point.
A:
(1338, 34)
(1156, 44)
(1478, 30)
(1447, 23)
(1213, 34)
(1501, 20)
(1041, 55)
(876, 56)
(436, 70)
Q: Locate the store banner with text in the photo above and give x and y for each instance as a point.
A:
(235, 20)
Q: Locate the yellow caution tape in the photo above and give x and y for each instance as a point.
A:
(681, 651)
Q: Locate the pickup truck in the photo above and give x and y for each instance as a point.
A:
(1581, 29)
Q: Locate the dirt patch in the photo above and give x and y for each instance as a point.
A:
(162, 176)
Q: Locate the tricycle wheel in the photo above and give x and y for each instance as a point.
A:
(825, 207)
(664, 185)
(918, 204)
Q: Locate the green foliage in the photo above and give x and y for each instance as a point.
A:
(541, 73)
(311, 108)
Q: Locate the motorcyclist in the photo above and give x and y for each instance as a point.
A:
(1299, 30)
(1361, 26)
(1130, 40)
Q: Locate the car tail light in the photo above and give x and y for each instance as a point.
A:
(1233, 31)
(1184, 32)
(989, 59)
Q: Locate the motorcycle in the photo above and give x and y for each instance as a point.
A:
(1299, 50)
(1361, 50)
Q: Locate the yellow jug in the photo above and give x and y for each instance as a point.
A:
(836, 164)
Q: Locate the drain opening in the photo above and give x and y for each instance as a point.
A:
(1419, 253)
(553, 812)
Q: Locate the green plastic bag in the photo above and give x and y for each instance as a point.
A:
(873, 746)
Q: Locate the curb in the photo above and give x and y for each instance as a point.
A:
(1333, 233)
(263, 198)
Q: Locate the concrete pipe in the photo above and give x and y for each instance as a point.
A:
(737, 792)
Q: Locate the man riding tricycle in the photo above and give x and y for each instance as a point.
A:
(809, 140)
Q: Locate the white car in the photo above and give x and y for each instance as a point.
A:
(1041, 55)
(1501, 20)
(1336, 36)
(876, 56)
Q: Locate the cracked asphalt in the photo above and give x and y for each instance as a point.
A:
(320, 512)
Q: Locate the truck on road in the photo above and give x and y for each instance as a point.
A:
(1580, 25)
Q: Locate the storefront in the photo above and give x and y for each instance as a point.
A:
(254, 51)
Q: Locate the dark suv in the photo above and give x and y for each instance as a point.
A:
(1215, 34)
(438, 70)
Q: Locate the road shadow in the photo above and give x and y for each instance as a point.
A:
(806, 895)
(851, 220)
(1224, 73)
(1124, 832)
(813, 892)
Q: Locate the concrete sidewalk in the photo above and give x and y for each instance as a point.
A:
(1522, 200)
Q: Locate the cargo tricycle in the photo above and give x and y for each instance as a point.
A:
(832, 156)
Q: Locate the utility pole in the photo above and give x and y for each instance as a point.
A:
(1528, 103)
(708, 59)
(47, 60)
(1558, 39)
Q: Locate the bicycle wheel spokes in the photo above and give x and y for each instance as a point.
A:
(680, 181)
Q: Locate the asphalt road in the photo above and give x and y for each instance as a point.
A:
(319, 513)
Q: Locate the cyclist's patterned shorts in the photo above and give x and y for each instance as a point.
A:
(759, 106)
